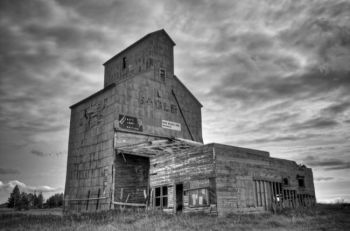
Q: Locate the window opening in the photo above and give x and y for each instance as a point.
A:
(161, 197)
(301, 181)
(124, 62)
(198, 197)
(162, 74)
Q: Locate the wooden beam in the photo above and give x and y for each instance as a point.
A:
(190, 142)
(183, 116)
(129, 204)
(139, 133)
(84, 199)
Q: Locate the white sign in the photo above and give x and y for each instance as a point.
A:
(171, 125)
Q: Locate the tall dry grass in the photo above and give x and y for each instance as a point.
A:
(321, 217)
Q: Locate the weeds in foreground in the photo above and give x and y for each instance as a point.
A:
(321, 217)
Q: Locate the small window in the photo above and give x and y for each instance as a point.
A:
(285, 181)
(124, 62)
(301, 182)
(162, 74)
(198, 197)
(161, 197)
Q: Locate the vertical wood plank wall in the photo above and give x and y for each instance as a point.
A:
(250, 181)
(134, 93)
(193, 168)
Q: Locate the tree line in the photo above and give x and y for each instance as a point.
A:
(22, 200)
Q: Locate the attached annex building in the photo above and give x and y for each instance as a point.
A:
(138, 143)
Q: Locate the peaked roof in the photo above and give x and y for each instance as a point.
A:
(141, 40)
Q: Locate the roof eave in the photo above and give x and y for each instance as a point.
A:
(112, 85)
(188, 90)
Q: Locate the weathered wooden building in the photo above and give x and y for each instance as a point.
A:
(138, 142)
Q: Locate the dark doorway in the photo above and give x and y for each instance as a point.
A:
(179, 197)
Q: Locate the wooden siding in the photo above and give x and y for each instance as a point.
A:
(236, 170)
(139, 92)
(90, 153)
(131, 178)
(193, 168)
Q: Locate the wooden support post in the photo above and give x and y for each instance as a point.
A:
(98, 200)
(151, 203)
(255, 193)
(266, 195)
(282, 195)
(113, 186)
(296, 199)
(271, 194)
(87, 201)
(261, 194)
(258, 192)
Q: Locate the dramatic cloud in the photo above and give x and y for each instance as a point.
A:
(37, 153)
(42, 154)
(329, 163)
(323, 178)
(337, 108)
(8, 187)
(271, 75)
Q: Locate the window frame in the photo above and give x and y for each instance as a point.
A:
(197, 205)
(162, 197)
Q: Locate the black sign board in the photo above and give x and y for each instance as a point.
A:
(131, 123)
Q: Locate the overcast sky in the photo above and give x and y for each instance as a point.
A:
(271, 75)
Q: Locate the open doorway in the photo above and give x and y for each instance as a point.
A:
(179, 197)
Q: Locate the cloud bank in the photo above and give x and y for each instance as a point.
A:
(272, 75)
(9, 186)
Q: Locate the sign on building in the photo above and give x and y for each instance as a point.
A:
(131, 123)
(171, 125)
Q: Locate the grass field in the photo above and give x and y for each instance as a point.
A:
(322, 217)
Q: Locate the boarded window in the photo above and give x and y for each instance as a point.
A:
(198, 197)
(267, 192)
(161, 197)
